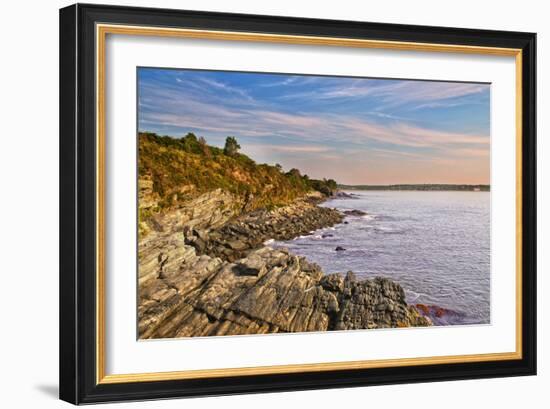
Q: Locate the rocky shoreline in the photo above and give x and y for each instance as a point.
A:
(237, 238)
(204, 270)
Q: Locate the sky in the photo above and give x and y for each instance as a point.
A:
(353, 130)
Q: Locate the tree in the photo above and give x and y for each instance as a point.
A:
(204, 147)
(332, 184)
(231, 147)
(279, 167)
(190, 143)
(190, 137)
(294, 172)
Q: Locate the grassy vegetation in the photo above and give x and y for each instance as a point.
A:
(184, 168)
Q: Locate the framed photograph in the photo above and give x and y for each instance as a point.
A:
(257, 203)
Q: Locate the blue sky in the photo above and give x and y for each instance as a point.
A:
(354, 130)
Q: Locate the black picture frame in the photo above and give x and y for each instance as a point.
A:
(78, 360)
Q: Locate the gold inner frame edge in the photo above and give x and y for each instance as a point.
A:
(101, 33)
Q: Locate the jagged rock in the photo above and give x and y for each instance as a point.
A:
(333, 282)
(199, 244)
(207, 211)
(147, 198)
(202, 234)
(254, 265)
(237, 245)
(268, 291)
(206, 273)
(250, 231)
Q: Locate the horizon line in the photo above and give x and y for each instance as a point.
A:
(414, 184)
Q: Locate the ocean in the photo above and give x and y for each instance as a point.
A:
(435, 244)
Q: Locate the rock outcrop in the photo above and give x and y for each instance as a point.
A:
(159, 247)
(269, 291)
(204, 270)
(209, 210)
(238, 237)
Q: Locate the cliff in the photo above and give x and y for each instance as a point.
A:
(174, 172)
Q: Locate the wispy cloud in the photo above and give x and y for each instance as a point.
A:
(393, 93)
(299, 120)
(226, 87)
(342, 128)
(281, 83)
(291, 148)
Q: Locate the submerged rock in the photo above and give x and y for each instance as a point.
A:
(339, 248)
(355, 212)
(344, 195)
(439, 315)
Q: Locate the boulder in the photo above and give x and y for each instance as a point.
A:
(237, 245)
(253, 265)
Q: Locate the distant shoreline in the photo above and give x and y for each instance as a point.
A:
(419, 187)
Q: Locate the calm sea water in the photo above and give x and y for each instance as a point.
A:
(435, 244)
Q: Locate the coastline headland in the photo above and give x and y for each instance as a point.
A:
(432, 187)
(206, 268)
